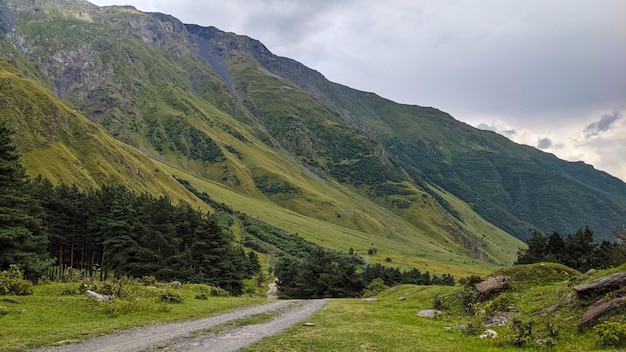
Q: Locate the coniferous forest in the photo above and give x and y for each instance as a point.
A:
(577, 251)
(57, 230)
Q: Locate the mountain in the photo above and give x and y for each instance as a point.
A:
(275, 139)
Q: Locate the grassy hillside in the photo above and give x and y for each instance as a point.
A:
(223, 108)
(60, 144)
(241, 127)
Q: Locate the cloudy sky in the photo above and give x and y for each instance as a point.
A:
(551, 74)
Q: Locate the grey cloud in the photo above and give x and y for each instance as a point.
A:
(605, 123)
(544, 143)
(507, 133)
(486, 127)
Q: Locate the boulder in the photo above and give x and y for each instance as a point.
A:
(488, 334)
(599, 309)
(98, 296)
(497, 320)
(492, 285)
(428, 313)
(601, 285)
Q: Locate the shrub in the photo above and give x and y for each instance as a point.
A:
(4, 310)
(474, 328)
(611, 334)
(149, 280)
(218, 292)
(73, 289)
(499, 304)
(442, 302)
(202, 296)
(171, 297)
(521, 333)
(12, 282)
(375, 287)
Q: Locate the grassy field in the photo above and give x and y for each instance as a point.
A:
(542, 294)
(389, 324)
(59, 314)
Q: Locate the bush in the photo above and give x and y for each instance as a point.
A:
(218, 292)
(202, 296)
(72, 289)
(442, 302)
(474, 328)
(521, 333)
(149, 280)
(12, 282)
(4, 310)
(375, 287)
(171, 297)
(611, 334)
(499, 304)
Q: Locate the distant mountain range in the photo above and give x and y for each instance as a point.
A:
(221, 109)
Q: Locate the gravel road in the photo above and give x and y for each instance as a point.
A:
(196, 335)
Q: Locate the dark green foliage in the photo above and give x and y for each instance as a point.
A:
(369, 170)
(577, 251)
(22, 237)
(114, 230)
(319, 274)
(190, 141)
(270, 185)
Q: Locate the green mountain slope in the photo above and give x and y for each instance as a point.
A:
(275, 139)
(60, 144)
(516, 187)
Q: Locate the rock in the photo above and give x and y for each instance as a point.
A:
(456, 327)
(98, 296)
(403, 297)
(428, 313)
(489, 334)
(601, 285)
(497, 320)
(176, 284)
(370, 299)
(309, 324)
(492, 285)
(600, 309)
(511, 309)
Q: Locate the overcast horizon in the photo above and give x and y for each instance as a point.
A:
(547, 74)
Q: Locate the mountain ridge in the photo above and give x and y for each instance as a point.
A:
(222, 107)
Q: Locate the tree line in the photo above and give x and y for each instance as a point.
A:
(577, 251)
(112, 230)
(322, 273)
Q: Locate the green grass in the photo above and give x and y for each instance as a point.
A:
(389, 324)
(542, 293)
(50, 318)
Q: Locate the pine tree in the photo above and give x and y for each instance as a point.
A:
(22, 239)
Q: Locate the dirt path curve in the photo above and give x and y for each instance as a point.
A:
(189, 335)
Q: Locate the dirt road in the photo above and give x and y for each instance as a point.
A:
(209, 334)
